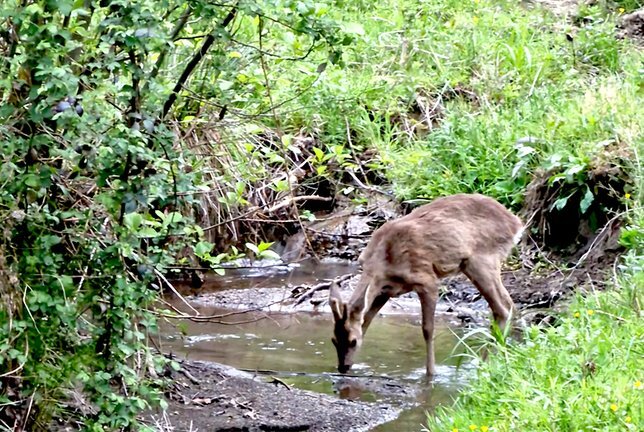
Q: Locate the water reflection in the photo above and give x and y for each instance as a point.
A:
(297, 348)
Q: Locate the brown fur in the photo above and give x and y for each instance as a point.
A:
(469, 233)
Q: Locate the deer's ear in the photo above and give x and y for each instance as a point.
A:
(335, 300)
(336, 308)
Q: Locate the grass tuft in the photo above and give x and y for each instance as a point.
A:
(584, 374)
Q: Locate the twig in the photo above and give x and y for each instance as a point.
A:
(355, 236)
(321, 286)
(289, 200)
(277, 381)
(323, 374)
(192, 64)
(597, 238)
(174, 290)
(188, 375)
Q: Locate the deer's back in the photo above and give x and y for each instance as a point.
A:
(446, 231)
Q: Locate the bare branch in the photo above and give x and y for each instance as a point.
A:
(192, 64)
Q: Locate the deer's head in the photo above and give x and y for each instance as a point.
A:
(381, 279)
(347, 330)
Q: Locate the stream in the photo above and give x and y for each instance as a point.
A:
(296, 348)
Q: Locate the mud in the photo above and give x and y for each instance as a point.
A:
(213, 397)
(632, 25)
(459, 302)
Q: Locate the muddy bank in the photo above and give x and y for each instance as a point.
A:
(533, 292)
(214, 397)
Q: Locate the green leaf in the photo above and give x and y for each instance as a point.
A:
(269, 254)
(33, 181)
(133, 221)
(586, 201)
(560, 203)
(319, 154)
(262, 246)
(203, 248)
(252, 247)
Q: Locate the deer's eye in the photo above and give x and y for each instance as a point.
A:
(387, 288)
(353, 343)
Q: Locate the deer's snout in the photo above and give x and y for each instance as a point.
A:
(343, 368)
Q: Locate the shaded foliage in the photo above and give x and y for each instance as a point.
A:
(94, 183)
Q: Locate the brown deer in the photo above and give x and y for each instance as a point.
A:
(472, 234)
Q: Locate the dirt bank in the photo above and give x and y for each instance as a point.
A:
(212, 397)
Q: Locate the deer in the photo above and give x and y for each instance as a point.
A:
(468, 233)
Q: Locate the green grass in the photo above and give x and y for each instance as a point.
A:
(585, 374)
(527, 77)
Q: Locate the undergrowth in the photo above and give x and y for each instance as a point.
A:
(450, 91)
(583, 374)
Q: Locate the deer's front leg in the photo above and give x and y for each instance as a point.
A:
(377, 304)
(428, 297)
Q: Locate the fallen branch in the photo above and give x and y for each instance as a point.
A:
(276, 381)
(321, 286)
(272, 373)
(188, 375)
(286, 202)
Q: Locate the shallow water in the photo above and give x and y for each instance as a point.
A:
(297, 349)
(272, 275)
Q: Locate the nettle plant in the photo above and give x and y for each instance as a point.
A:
(95, 188)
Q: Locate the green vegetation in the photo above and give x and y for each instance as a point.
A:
(583, 374)
(96, 188)
(127, 128)
(483, 74)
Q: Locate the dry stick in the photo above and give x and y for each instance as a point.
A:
(192, 64)
(262, 62)
(174, 290)
(276, 207)
(601, 234)
(183, 19)
(211, 318)
(323, 285)
(330, 374)
(351, 236)
(277, 381)
(188, 375)
(350, 142)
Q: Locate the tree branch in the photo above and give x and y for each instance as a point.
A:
(183, 19)
(190, 67)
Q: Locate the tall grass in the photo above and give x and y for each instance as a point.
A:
(585, 374)
(526, 72)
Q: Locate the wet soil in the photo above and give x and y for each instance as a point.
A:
(213, 397)
(295, 349)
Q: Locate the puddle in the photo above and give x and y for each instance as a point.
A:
(296, 348)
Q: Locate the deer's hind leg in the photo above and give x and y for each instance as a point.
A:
(485, 273)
